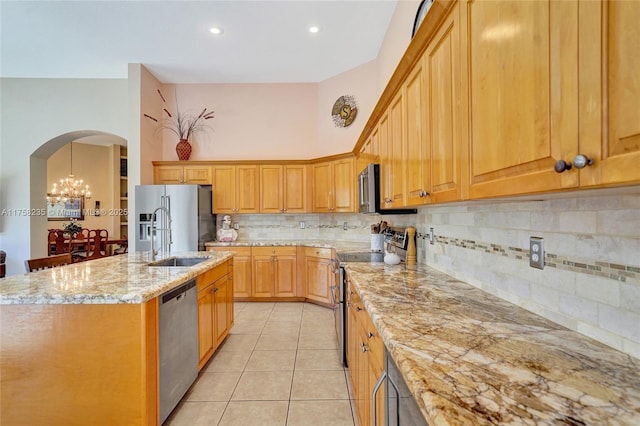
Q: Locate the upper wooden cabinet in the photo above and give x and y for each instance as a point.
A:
(180, 174)
(609, 92)
(334, 186)
(283, 189)
(235, 189)
(522, 95)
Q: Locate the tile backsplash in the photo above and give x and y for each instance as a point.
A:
(591, 279)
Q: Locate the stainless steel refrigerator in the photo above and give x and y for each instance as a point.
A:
(189, 207)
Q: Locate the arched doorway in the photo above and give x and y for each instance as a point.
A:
(102, 164)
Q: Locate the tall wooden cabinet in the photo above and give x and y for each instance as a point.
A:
(334, 186)
(609, 92)
(283, 188)
(236, 189)
(522, 101)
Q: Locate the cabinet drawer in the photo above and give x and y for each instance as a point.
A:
(207, 278)
(324, 253)
(274, 251)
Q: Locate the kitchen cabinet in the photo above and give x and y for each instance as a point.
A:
(319, 274)
(274, 272)
(236, 189)
(522, 95)
(215, 308)
(334, 186)
(417, 159)
(365, 357)
(181, 174)
(609, 93)
(283, 189)
(241, 270)
(392, 141)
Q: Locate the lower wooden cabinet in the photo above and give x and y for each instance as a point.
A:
(318, 274)
(241, 270)
(365, 357)
(215, 309)
(274, 271)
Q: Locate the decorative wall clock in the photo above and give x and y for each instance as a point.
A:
(344, 111)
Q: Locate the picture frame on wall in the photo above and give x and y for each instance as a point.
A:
(73, 208)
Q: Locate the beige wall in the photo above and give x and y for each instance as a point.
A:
(94, 164)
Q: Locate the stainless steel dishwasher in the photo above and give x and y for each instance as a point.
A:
(178, 342)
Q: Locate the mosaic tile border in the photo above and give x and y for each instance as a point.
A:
(608, 270)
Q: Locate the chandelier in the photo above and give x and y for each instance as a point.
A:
(69, 187)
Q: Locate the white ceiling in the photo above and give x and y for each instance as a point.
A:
(263, 41)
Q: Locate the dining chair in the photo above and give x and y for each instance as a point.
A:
(47, 262)
(98, 243)
(51, 241)
(124, 246)
(63, 241)
(80, 246)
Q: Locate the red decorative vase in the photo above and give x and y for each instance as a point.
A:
(183, 149)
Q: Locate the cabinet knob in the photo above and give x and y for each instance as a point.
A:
(581, 161)
(369, 335)
(363, 347)
(423, 194)
(561, 166)
(358, 308)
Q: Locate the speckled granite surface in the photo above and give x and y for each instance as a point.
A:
(471, 358)
(114, 279)
(338, 245)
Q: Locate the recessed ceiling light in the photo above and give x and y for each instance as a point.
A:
(313, 29)
(216, 30)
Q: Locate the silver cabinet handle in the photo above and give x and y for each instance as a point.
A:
(580, 161)
(363, 347)
(374, 402)
(370, 335)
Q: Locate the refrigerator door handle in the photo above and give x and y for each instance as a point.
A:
(168, 201)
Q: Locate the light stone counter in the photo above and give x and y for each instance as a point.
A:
(471, 358)
(111, 280)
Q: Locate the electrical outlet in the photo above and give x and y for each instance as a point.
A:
(303, 225)
(345, 226)
(536, 252)
(432, 236)
(236, 226)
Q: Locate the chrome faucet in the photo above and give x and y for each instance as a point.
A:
(152, 252)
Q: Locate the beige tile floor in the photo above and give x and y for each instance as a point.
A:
(279, 366)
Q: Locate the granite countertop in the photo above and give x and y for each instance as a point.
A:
(471, 358)
(113, 279)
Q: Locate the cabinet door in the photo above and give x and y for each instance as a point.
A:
(230, 301)
(285, 276)
(295, 189)
(242, 276)
(318, 279)
(224, 189)
(385, 162)
(220, 302)
(443, 127)
(263, 275)
(271, 194)
(322, 187)
(609, 91)
(344, 182)
(163, 175)
(417, 152)
(200, 175)
(396, 142)
(205, 324)
(522, 89)
(247, 189)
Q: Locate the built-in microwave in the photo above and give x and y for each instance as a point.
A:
(369, 192)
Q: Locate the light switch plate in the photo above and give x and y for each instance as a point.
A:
(536, 252)
(302, 224)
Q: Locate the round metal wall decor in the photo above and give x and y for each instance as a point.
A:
(344, 111)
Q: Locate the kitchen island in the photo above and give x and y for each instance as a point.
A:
(79, 343)
(470, 358)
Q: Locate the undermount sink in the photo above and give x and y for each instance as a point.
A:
(179, 261)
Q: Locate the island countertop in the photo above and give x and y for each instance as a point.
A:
(471, 358)
(113, 279)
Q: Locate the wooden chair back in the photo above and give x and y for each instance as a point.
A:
(80, 247)
(124, 247)
(63, 241)
(98, 243)
(51, 241)
(47, 262)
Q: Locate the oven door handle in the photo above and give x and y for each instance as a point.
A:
(374, 402)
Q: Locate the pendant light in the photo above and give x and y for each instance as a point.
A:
(69, 187)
